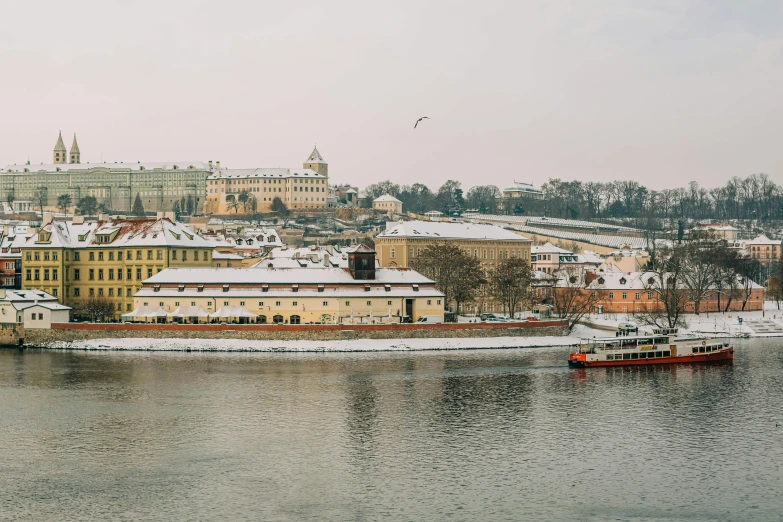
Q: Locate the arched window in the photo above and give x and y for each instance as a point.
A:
(261, 319)
(277, 319)
(295, 319)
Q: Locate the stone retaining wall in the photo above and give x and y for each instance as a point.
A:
(84, 331)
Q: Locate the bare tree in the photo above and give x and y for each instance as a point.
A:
(456, 274)
(96, 308)
(572, 298)
(699, 273)
(664, 280)
(41, 197)
(510, 284)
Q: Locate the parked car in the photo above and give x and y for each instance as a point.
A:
(488, 317)
(434, 319)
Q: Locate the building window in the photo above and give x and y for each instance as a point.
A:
(149, 254)
(611, 295)
(76, 292)
(637, 295)
(92, 292)
(92, 256)
(391, 253)
(369, 303)
(111, 256)
(46, 256)
(149, 273)
(100, 274)
(119, 255)
(138, 255)
(429, 301)
(625, 295)
(100, 256)
(29, 275)
(184, 255)
(138, 274)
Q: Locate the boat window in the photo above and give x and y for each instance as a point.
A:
(610, 357)
(695, 350)
(667, 353)
(634, 356)
(701, 349)
(626, 356)
(726, 345)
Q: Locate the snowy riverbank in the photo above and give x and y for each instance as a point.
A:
(358, 345)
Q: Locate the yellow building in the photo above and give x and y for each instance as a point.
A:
(108, 258)
(399, 246)
(359, 294)
(247, 191)
(388, 204)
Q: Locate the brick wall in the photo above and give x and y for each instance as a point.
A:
(84, 331)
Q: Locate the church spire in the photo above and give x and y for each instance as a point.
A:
(76, 156)
(60, 152)
(316, 163)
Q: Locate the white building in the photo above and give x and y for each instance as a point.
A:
(35, 309)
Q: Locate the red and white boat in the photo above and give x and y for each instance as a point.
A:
(663, 346)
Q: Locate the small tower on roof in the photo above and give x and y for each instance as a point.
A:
(76, 156)
(316, 163)
(60, 152)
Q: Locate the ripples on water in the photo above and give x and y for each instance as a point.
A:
(481, 435)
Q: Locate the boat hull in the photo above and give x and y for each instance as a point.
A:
(711, 357)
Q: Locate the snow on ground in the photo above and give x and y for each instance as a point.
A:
(357, 345)
(754, 323)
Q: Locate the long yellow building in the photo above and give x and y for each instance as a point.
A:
(399, 246)
(305, 188)
(108, 258)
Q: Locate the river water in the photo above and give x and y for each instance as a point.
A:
(471, 435)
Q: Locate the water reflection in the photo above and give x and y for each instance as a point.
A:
(505, 434)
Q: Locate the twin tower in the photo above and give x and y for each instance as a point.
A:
(61, 155)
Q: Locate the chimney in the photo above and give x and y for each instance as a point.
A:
(104, 217)
(326, 259)
(210, 164)
(78, 220)
(160, 215)
(217, 165)
(171, 216)
(48, 217)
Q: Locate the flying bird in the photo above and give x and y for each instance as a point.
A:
(422, 118)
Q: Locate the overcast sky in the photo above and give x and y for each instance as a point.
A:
(660, 91)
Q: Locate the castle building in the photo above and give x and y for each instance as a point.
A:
(247, 191)
(113, 185)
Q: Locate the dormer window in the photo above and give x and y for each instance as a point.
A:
(294, 288)
(366, 288)
(415, 288)
(601, 280)
(200, 288)
(225, 288)
(320, 288)
(156, 288)
(623, 280)
(387, 288)
(181, 288)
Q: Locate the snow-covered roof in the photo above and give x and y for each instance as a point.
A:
(544, 220)
(116, 166)
(315, 157)
(520, 186)
(548, 248)
(259, 276)
(49, 305)
(763, 240)
(442, 230)
(255, 292)
(265, 173)
(219, 256)
(386, 198)
(631, 281)
(27, 295)
(134, 232)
